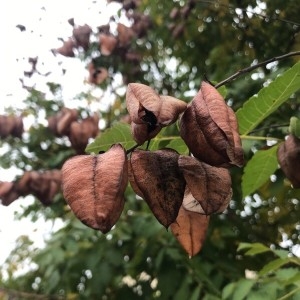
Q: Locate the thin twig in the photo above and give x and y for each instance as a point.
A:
(269, 127)
(132, 148)
(251, 68)
(265, 17)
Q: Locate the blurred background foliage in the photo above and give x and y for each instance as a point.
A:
(181, 43)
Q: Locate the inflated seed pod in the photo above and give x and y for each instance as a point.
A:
(209, 128)
(156, 177)
(208, 188)
(94, 186)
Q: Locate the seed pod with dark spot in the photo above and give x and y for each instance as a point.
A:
(149, 112)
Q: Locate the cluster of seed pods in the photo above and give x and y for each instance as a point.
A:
(182, 191)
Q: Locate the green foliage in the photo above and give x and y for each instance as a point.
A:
(278, 279)
(259, 169)
(268, 99)
(119, 133)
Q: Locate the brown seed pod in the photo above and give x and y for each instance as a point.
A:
(107, 43)
(149, 112)
(8, 193)
(288, 155)
(210, 186)
(170, 110)
(210, 130)
(81, 35)
(67, 49)
(190, 230)
(125, 35)
(94, 186)
(64, 120)
(156, 177)
(97, 75)
(81, 132)
(11, 125)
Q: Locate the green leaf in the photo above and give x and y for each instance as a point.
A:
(196, 293)
(179, 145)
(242, 289)
(259, 169)
(274, 265)
(119, 133)
(228, 290)
(268, 99)
(254, 248)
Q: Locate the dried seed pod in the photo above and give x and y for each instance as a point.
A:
(190, 230)
(170, 110)
(11, 125)
(81, 132)
(210, 186)
(125, 35)
(210, 130)
(8, 193)
(81, 35)
(67, 49)
(149, 112)
(141, 99)
(107, 43)
(156, 177)
(64, 120)
(94, 186)
(288, 155)
(97, 75)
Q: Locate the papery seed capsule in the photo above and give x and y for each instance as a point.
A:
(156, 177)
(209, 128)
(288, 155)
(210, 186)
(94, 186)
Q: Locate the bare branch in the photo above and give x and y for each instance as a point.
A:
(251, 68)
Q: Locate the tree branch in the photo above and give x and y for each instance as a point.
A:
(251, 68)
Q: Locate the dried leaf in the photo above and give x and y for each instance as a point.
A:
(190, 230)
(94, 186)
(210, 186)
(157, 178)
(210, 130)
(288, 155)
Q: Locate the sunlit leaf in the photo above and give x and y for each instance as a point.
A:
(253, 248)
(119, 133)
(268, 99)
(242, 289)
(274, 265)
(259, 169)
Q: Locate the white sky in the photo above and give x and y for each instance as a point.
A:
(45, 21)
